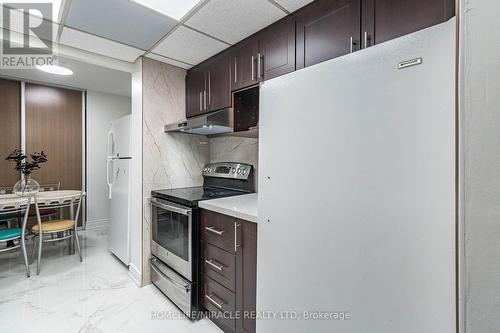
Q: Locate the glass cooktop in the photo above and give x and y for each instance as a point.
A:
(189, 196)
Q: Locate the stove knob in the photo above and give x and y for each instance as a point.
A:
(233, 170)
(239, 171)
(244, 172)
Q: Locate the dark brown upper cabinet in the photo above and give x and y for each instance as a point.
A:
(208, 86)
(383, 20)
(327, 29)
(269, 53)
(218, 81)
(277, 49)
(195, 89)
(244, 63)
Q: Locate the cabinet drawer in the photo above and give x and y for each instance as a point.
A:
(219, 230)
(218, 265)
(218, 299)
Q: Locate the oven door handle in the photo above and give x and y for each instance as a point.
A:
(169, 279)
(170, 208)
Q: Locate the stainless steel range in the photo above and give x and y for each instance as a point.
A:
(175, 230)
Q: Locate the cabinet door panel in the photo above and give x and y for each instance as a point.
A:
(218, 229)
(388, 19)
(219, 83)
(195, 87)
(325, 29)
(277, 47)
(246, 275)
(244, 61)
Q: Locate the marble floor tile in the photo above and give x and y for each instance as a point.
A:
(94, 296)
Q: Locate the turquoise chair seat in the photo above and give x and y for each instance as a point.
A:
(9, 233)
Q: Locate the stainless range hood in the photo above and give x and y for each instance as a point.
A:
(218, 122)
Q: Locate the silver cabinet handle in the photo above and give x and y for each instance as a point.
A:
(214, 302)
(235, 70)
(211, 263)
(215, 231)
(366, 39)
(253, 69)
(236, 246)
(209, 90)
(205, 100)
(351, 44)
(201, 107)
(259, 62)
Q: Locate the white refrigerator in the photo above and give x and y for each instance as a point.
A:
(118, 178)
(357, 191)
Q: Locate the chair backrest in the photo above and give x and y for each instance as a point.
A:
(50, 187)
(63, 202)
(6, 189)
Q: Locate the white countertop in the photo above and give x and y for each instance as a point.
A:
(240, 206)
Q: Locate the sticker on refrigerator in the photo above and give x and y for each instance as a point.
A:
(410, 63)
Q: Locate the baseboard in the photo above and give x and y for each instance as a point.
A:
(97, 224)
(135, 275)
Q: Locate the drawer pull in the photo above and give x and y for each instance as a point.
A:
(214, 302)
(211, 263)
(215, 231)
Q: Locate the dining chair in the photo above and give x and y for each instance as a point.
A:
(15, 238)
(57, 230)
(48, 213)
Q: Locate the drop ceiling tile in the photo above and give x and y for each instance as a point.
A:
(169, 61)
(293, 5)
(188, 46)
(87, 42)
(234, 20)
(120, 20)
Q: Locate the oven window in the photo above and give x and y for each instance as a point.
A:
(171, 231)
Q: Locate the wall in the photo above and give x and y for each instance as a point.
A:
(480, 108)
(135, 267)
(236, 149)
(169, 160)
(102, 109)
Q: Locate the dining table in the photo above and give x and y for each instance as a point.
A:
(11, 202)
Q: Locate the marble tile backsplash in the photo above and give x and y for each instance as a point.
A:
(236, 149)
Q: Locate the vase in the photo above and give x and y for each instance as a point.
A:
(26, 187)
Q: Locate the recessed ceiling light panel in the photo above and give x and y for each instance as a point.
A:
(176, 9)
(57, 70)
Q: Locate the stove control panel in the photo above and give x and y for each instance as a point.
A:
(227, 170)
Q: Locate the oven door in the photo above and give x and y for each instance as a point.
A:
(172, 227)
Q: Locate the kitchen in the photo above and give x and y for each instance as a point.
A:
(253, 166)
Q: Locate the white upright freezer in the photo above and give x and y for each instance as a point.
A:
(357, 191)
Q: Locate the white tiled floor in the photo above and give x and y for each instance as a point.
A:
(94, 296)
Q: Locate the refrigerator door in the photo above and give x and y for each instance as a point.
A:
(119, 138)
(357, 191)
(119, 221)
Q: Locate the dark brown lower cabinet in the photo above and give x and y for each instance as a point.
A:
(229, 271)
